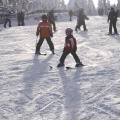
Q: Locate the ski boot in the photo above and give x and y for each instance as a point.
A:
(79, 64)
(60, 64)
(86, 30)
(37, 53)
(52, 51)
(115, 34)
(109, 34)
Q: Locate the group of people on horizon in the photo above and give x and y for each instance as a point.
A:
(20, 18)
(44, 31)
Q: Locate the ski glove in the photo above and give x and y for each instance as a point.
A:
(37, 34)
(51, 35)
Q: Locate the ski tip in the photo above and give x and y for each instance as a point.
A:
(51, 67)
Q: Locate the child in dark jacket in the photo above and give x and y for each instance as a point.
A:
(70, 47)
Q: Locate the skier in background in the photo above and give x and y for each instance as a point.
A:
(20, 18)
(44, 30)
(70, 47)
(70, 14)
(7, 19)
(51, 19)
(81, 20)
(112, 17)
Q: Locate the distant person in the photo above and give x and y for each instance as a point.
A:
(118, 12)
(20, 18)
(112, 19)
(70, 47)
(51, 19)
(81, 20)
(99, 11)
(70, 14)
(7, 19)
(102, 11)
(44, 31)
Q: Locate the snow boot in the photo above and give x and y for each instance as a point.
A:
(37, 53)
(109, 34)
(60, 64)
(52, 51)
(86, 30)
(115, 34)
(79, 64)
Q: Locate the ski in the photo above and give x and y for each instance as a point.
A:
(68, 67)
(41, 54)
(111, 34)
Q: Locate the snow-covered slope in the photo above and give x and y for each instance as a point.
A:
(30, 90)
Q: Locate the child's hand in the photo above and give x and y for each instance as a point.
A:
(37, 34)
(51, 35)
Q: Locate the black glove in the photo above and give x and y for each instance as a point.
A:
(51, 35)
(37, 34)
(86, 18)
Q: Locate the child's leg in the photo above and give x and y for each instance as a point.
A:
(64, 55)
(39, 44)
(5, 23)
(62, 59)
(75, 56)
(50, 43)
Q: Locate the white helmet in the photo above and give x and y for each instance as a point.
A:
(69, 31)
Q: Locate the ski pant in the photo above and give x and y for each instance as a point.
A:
(70, 17)
(65, 53)
(39, 44)
(112, 24)
(21, 22)
(79, 25)
(6, 21)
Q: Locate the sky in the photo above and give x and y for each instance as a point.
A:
(96, 2)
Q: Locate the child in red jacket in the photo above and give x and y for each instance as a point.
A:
(70, 47)
(44, 30)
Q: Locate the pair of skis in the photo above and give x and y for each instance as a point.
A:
(111, 34)
(68, 67)
(41, 54)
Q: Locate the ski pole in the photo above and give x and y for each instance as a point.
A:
(36, 41)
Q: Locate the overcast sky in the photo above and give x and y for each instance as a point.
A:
(96, 2)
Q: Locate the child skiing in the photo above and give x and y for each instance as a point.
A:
(44, 30)
(70, 47)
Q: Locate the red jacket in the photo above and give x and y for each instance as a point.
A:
(44, 29)
(70, 43)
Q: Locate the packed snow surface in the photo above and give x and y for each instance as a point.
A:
(31, 90)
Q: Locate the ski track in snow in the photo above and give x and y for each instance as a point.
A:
(30, 90)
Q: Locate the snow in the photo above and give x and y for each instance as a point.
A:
(30, 90)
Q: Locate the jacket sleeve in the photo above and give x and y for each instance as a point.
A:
(108, 17)
(38, 28)
(86, 17)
